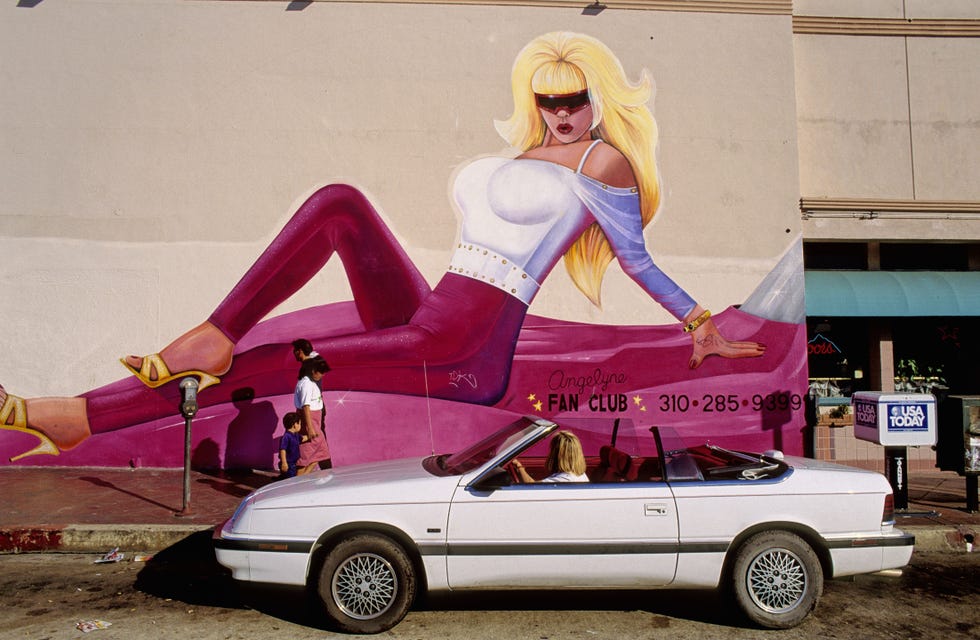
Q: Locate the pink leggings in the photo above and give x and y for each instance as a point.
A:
(454, 342)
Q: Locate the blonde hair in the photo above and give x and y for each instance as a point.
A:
(565, 454)
(563, 62)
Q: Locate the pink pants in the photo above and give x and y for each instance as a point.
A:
(315, 450)
(416, 340)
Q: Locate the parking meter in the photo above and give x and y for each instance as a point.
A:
(188, 390)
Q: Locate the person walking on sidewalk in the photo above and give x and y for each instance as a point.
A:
(308, 400)
(289, 444)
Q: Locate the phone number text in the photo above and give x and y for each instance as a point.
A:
(729, 402)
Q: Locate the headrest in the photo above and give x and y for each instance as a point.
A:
(619, 461)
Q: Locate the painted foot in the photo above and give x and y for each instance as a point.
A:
(204, 352)
(59, 424)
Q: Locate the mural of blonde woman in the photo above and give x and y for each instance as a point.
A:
(583, 187)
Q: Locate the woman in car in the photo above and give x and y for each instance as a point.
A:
(565, 461)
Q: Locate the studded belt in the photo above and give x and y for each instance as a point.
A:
(485, 265)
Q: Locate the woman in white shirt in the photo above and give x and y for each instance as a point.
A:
(313, 452)
(565, 462)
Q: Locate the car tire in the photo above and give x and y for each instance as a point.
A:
(777, 579)
(367, 584)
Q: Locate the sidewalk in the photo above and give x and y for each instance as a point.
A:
(97, 509)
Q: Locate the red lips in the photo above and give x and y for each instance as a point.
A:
(564, 128)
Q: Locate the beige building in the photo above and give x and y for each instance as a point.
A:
(890, 199)
(151, 150)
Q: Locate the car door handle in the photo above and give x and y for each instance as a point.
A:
(654, 509)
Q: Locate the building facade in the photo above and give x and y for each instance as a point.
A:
(889, 172)
(151, 151)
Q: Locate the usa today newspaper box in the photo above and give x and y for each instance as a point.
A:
(895, 421)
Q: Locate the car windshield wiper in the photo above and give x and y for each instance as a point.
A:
(737, 454)
(752, 471)
(760, 472)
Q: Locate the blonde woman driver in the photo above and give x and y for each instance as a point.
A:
(583, 188)
(565, 461)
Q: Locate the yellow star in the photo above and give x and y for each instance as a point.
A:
(643, 408)
(538, 405)
(637, 400)
(532, 398)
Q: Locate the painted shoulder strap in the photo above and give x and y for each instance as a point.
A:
(585, 156)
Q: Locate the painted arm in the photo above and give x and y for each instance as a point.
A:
(618, 213)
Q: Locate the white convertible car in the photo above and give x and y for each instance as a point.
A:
(655, 514)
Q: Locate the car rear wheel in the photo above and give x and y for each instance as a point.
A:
(777, 579)
(367, 584)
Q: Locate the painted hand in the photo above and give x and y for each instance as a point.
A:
(708, 341)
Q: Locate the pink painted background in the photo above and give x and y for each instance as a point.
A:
(646, 364)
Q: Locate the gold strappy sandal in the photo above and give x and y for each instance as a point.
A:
(14, 406)
(154, 363)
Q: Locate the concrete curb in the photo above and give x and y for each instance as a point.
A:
(942, 538)
(100, 538)
(95, 538)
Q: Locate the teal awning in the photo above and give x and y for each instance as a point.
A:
(892, 293)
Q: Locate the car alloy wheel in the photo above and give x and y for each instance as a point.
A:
(777, 579)
(364, 586)
(367, 583)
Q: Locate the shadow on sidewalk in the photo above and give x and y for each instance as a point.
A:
(105, 484)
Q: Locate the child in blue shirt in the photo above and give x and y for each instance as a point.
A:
(289, 444)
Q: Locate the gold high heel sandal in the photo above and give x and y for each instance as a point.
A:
(154, 362)
(15, 406)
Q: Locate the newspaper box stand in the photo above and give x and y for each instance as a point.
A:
(896, 421)
(958, 444)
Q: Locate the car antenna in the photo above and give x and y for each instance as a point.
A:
(615, 431)
(428, 407)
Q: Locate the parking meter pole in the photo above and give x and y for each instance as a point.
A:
(188, 408)
(187, 466)
(897, 472)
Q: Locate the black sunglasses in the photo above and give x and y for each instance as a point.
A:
(570, 102)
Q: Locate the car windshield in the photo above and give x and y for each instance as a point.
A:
(483, 451)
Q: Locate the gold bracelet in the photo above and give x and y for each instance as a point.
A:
(697, 322)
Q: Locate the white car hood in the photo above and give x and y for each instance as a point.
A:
(377, 483)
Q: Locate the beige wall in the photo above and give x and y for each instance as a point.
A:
(914, 9)
(890, 114)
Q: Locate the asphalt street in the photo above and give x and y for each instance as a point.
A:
(182, 592)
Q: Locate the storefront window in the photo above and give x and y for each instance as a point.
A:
(836, 356)
(930, 354)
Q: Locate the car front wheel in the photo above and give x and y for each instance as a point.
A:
(777, 579)
(367, 584)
